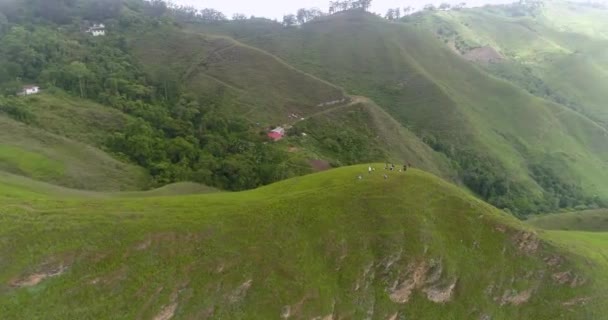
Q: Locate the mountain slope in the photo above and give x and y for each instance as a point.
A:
(325, 245)
(35, 153)
(588, 220)
(267, 90)
(261, 86)
(507, 143)
(557, 51)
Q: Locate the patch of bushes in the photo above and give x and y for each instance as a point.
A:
(16, 109)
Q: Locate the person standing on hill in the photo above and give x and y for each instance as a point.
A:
(369, 169)
(404, 167)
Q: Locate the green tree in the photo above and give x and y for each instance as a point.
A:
(79, 71)
(289, 20)
(212, 15)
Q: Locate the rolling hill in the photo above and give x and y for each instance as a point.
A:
(587, 220)
(500, 107)
(557, 52)
(325, 245)
(44, 156)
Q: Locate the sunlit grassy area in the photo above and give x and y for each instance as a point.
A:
(324, 244)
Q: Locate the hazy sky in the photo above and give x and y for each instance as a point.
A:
(277, 8)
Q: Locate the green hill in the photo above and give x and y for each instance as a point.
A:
(556, 51)
(325, 245)
(254, 83)
(588, 220)
(516, 150)
(502, 99)
(35, 153)
(500, 107)
(78, 119)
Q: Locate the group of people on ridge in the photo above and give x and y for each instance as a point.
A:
(390, 167)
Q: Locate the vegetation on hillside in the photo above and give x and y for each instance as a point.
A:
(497, 137)
(176, 136)
(40, 155)
(325, 245)
(586, 220)
(196, 105)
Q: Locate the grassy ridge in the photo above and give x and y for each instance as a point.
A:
(322, 245)
(562, 47)
(37, 154)
(259, 85)
(78, 119)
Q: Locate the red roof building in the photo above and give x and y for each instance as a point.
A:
(277, 133)
(275, 136)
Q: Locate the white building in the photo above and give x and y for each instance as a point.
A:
(97, 30)
(29, 90)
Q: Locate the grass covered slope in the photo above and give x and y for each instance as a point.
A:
(37, 154)
(363, 132)
(556, 51)
(588, 220)
(325, 245)
(77, 119)
(245, 79)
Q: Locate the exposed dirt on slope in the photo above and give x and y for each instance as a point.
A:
(569, 278)
(515, 298)
(485, 54)
(36, 278)
(167, 312)
(54, 267)
(112, 278)
(440, 294)
(527, 242)
(416, 276)
(576, 302)
(320, 165)
(426, 277)
(295, 309)
(554, 261)
(241, 292)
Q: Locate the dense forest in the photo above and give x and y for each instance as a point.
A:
(173, 134)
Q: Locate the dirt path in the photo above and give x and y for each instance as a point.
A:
(354, 101)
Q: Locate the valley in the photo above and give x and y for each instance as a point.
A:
(161, 162)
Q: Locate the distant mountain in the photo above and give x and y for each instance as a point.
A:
(116, 177)
(505, 100)
(520, 151)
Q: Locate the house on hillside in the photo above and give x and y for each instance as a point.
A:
(29, 90)
(97, 30)
(276, 134)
